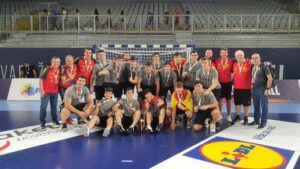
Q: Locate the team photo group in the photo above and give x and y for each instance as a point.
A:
(156, 94)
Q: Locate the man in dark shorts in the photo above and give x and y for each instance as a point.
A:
(77, 100)
(223, 65)
(242, 85)
(97, 79)
(102, 115)
(154, 112)
(127, 112)
(206, 106)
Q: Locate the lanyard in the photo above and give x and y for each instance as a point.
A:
(224, 65)
(179, 98)
(191, 66)
(199, 102)
(206, 75)
(240, 67)
(87, 65)
(78, 94)
(149, 78)
(55, 74)
(254, 73)
(118, 71)
(168, 77)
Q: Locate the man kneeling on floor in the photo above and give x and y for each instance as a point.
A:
(78, 100)
(127, 112)
(103, 114)
(154, 112)
(206, 107)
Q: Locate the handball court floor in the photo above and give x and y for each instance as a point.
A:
(137, 150)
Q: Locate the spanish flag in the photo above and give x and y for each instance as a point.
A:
(186, 99)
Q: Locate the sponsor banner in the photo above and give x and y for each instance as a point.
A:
(33, 136)
(24, 89)
(4, 87)
(242, 147)
(285, 91)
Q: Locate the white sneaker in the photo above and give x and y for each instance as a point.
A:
(149, 129)
(212, 127)
(229, 119)
(206, 122)
(86, 131)
(106, 132)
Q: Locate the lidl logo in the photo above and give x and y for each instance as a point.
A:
(29, 89)
(239, 154)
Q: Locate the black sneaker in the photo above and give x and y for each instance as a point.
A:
(43, 125)
(130, 130)
(253, 123)
(121, 129)
(236, 119)
(88, 118)
(159, 127)
(245, 120)
(64, 127)
(81, 122)
(261, 126)
(56, 123)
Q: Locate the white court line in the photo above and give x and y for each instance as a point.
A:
(281, 137)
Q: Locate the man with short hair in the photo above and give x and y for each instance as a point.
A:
(209, 55)
(97, 78)
(77, 100)
(206, 106)
(208, 76)
(85, 65)
(181, 103)
(261, 83)
(134, 72)
(154, 112)
(103, 114)
(190, 72)
(148, 80)
(67, 75)
(242, 85)
(168, 80)
(223, 65)
(127, 112)
(49, 90)
(157, 64)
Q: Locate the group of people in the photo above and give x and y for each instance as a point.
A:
(197, 88)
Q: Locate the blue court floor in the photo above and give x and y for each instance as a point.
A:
(137, 151)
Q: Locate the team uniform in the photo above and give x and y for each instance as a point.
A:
(112, 79)
(50, 78)
(148, 82)
(190, 80)
(78, 98)
(67, 71)
(127, 119)
(99, 80)
(242, 83)
(224, 69)
(201, 100)
(154, 110)
(104, 110)
(178, 68)
(85, 69)
(206, 79)
(167, 82)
